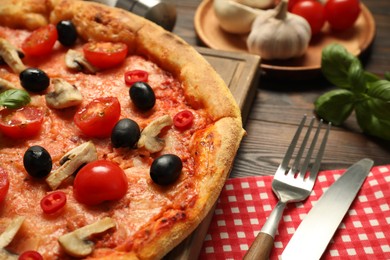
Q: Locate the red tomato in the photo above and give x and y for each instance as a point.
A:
(183, 120)
(313, 12)
(99, 181)
(104, 55)
(4, 184)
(40, 41)
(99, 117)
(291, 4)
(30, 255)
(24, 122)
(53, 202)
(342, 14)
(134, 76)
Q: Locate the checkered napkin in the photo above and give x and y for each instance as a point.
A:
(245, 203)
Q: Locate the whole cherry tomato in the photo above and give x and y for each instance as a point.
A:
(99, 117)
(100, 181)
(53, 202)
(104, 55)
(4, 184)
(183, 120)
(342, 14)
(41, 41)
(291, 4)
(313, 12)
(134, 76)
(24, 122)
(30, 255)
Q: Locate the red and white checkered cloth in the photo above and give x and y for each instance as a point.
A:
(245, 203)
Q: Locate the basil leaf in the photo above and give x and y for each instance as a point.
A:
(335, 64)
(357, 77)
(14, 98)
(370, 123)
(379, 89)
(335, 106)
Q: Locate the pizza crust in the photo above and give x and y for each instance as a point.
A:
(213, 148)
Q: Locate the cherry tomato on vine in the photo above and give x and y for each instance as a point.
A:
(313, 12)
(4, 184)
(342, 14)
(99, 181)
(183, 120)
(53, 202)
(41, 41)
(99, 117)
(30, 255)
(24, 122)
(104, 55)
(134, 76)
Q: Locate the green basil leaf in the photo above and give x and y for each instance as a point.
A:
(335, 106)
(335, 63)
(370, 123)
(357, 77)
(14, 98)
(370, 77)
(380, 90)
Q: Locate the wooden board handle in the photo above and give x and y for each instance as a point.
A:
(260, 248)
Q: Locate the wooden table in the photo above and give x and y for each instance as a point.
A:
(279, 106)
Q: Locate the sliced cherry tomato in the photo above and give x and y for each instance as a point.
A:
(134, 76)
(24, 122)
(40, 41)
(100, 181)
(342, 14)
(53, 202)
(313, 12)
(104, 55)
(183, 120)
(30, 255)
(99, 117)
(4, 184)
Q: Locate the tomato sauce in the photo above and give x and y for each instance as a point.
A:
(144, 201)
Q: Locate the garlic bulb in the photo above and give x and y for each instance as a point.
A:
(261, 4)
(278, 34)
(234, 17)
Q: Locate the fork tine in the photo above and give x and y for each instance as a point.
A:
(297, 161)
(317, 163)
(309, 154)
(292, 145)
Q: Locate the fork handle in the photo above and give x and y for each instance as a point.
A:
(260, 248)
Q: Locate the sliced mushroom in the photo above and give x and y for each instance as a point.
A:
(149, 135)
(76, 243)
(64, 95)
(10, 55)
(75, 60)
(71, 162)
(6, 85)
(8, 235)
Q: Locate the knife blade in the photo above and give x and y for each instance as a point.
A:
(318, 227)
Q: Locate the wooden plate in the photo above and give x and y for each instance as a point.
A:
(356, 40)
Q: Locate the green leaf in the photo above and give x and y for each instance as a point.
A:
(370, 123)
(14, 98)
(379, 89)
(335, 106)
(357, 77)
(335, 64)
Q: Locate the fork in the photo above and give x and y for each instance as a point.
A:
(290, 184)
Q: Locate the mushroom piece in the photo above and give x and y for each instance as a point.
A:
(6, 85)
(75, 60)
(10, 55)
(64, 95)
(149, 135)
(8, 235)
(71, 162)
(76, 243)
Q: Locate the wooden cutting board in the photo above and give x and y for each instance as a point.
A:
(241, 74)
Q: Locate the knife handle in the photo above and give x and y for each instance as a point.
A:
(260, 248)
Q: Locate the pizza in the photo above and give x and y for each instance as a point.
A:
(116, 136)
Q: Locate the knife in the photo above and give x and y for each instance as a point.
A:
(318, 227)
